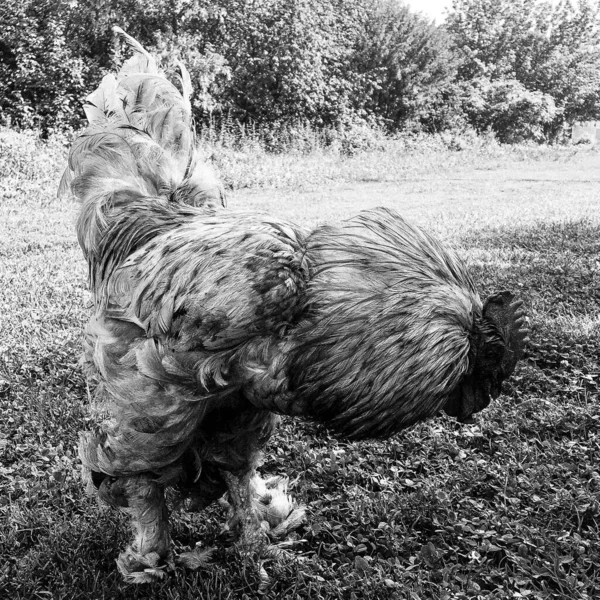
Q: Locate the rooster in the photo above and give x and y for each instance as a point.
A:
(208, 323)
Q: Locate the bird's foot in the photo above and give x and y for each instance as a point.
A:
(293, 521)
(198, 558)
(274, 558)
(143, 568)
(261, 512)
(275, 508)
(256, 539)
(249, 535)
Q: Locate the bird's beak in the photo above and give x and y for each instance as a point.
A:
(468, 403)
(469, 398)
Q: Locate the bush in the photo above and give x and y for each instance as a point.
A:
(209, 72)
(24, 156)
(41, 82)
(507, 108)
(403, 65)
(550, 49)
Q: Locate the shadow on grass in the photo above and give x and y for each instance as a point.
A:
(508, 507)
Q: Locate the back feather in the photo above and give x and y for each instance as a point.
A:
(139, 147)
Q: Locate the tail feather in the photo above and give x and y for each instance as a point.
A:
(141, 61)
(139, 147)
(103, 103)
(185, 80)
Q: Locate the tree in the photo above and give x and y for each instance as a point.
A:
(510, 110)
(404, 64)
(41, 82)
(288, 58)
(53, 52)
(551, 48)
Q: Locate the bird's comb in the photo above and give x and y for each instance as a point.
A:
(509, 317)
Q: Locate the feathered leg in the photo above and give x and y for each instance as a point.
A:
(262, 512)
(245, 522)
(149, 555)
(230, 450)
(276, 507)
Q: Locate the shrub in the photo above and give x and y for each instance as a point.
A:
(41, 82)
(507, 108)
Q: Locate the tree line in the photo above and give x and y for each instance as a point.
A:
(523, 69)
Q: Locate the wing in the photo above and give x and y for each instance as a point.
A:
(204, 290)
(173, 323)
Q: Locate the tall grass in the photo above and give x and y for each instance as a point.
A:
(300, 157)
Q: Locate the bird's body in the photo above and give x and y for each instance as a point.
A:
(208, 322)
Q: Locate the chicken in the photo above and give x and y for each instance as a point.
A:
(208, 323)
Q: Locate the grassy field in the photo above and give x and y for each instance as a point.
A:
(506, 508)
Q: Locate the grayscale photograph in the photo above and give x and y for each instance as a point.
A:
(300, 299)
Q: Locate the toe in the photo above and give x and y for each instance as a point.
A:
(143, 568)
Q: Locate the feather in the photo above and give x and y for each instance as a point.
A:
(207, 321)
(186, 82)
(103, 102)
(141, 62)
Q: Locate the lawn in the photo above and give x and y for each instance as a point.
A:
(508, 507)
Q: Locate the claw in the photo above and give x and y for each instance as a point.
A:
(199, 558)
(275, 507)
(294, 519)
(143, 568)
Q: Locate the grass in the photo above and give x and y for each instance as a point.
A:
(506, 508)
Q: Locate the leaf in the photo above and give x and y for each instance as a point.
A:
(361, 565)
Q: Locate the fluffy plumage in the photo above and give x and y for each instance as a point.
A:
(207, 322)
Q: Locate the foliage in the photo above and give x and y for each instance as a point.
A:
(285, 58)
(403, 63)
(550, 48)
(209, 72)
(510, 110)
(41, 81)
(327, 62)
(524, 69)
(53, 52)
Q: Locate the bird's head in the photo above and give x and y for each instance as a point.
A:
(497, 343)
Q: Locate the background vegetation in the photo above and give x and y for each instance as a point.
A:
(296, 100)
(522, 69)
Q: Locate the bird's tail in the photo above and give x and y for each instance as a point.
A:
(138, 149)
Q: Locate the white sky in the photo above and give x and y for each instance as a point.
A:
(434, 9)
